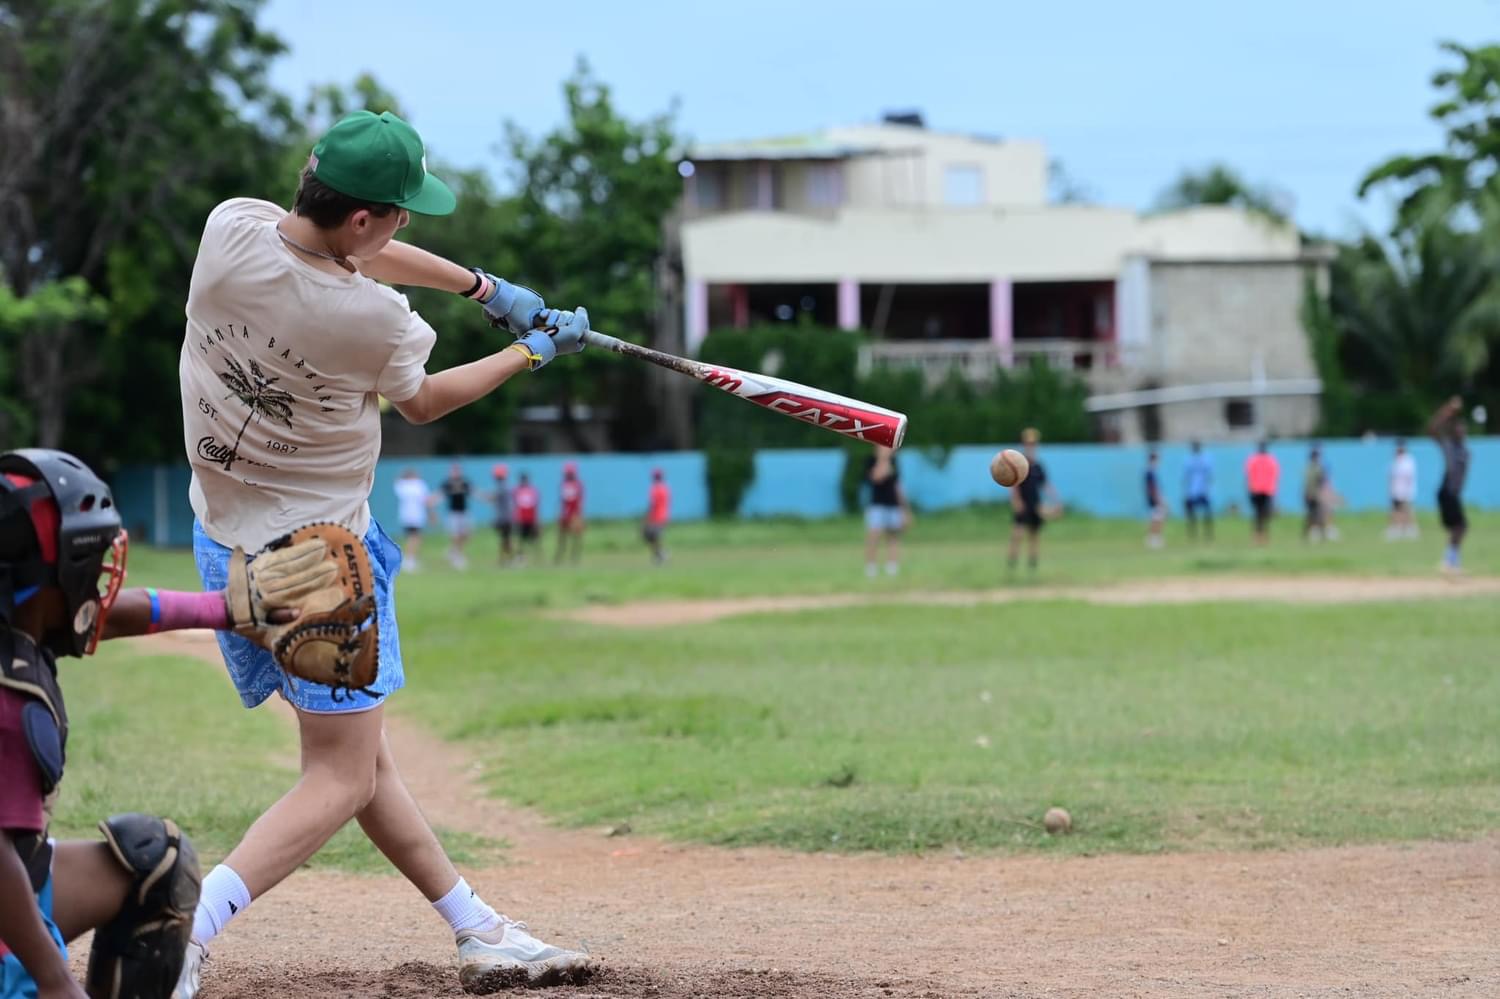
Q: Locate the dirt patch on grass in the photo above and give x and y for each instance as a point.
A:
(674, 921)
(1274, 589)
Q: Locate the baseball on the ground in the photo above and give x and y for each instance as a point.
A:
(1057, 820)
(1009, 467)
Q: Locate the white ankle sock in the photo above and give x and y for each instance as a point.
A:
(463, 909)
(224, 896)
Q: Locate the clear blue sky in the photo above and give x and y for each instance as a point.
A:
(1302, 94)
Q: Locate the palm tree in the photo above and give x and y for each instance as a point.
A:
(255, 391)
(1462, 180)
(1419, 311)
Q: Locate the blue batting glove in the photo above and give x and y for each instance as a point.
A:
(538, 348)
(557, 332)
(512, 306)
(569, 328)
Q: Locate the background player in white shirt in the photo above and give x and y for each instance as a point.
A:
(413, 509)
(1403, 523)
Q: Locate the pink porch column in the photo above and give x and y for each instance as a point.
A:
(1107, 330)
(848, 304)
(695, 304)
(739, 306)
(1000, 320)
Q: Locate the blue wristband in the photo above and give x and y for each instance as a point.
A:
(155, 611)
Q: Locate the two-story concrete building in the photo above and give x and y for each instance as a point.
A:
(947, 249)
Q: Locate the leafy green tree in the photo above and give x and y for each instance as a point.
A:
(1219, 184)
(121, 125)
(1413, 317)
(1464, 177)
(1416, 319)
(1338, 417)
(42, 332)
(591, 199)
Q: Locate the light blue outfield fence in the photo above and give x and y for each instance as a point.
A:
(1102, 480)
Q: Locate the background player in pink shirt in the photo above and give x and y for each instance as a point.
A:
(570, 519)
(658, 512)
(1262, 473)
(526, 501)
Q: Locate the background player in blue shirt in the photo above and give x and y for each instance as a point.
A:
(1197, 485)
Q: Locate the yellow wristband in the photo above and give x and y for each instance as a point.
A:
(532, 360)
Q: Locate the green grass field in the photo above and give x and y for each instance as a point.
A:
(165, 734)
(894, 728)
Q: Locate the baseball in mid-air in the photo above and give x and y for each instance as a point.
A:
(1009, 467)
(1057, 820)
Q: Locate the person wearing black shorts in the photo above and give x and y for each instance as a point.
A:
(456, 490)
(1156, 505)
(502, 500)
(1452, 435)
(1026, 505)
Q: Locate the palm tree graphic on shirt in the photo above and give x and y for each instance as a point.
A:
(256, 392)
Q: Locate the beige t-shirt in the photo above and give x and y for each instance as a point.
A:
(281, 371)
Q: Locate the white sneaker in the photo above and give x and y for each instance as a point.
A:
(508, 955)
(190, 981)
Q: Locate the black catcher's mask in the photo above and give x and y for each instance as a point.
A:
(57, 522)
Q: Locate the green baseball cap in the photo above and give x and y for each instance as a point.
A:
(379, 158)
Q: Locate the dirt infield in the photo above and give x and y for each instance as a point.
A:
(673, 921)
(1275, 589)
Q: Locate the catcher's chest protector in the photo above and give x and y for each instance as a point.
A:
(33, 672)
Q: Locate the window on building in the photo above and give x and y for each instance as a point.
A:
(768, 197)
(963, 185)
(708, 183)
(926, 311)
(1239, 412)
(825, 185)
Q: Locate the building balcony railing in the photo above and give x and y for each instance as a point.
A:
(978, 360)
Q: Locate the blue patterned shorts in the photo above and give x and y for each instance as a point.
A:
(256, 675)
(15, 983)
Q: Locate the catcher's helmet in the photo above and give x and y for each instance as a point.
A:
(57, 522)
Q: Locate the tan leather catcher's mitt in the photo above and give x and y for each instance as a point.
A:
(323, 571)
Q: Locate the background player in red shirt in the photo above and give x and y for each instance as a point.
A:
(570, 519)
(526, 501)
(658, 512)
